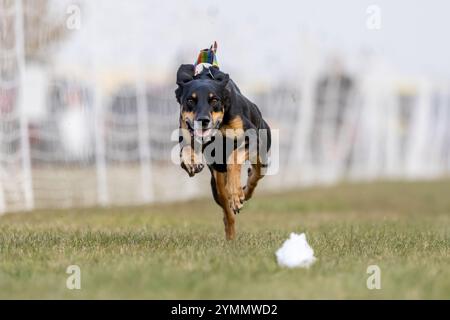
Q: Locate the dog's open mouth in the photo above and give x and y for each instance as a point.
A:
(201, 133)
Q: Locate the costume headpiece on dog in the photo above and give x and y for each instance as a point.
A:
(206, 59)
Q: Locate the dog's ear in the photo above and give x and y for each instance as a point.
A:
(185, 74)
(220, 76)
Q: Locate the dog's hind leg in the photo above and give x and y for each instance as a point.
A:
(259, 160)
(214, 189)
(252, 181)
(221, 197)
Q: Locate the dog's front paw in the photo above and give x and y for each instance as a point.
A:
(192, 169)
(236, 197)
(191, 162)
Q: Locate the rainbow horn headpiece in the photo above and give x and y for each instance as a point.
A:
(206, 59)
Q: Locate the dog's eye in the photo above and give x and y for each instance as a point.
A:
(214, 102)
(190, 102)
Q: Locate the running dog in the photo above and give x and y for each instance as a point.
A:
(218, 124)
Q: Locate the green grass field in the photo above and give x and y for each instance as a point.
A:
(178, 250)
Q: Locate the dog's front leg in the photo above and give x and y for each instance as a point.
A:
(235, 192)
(190, 158)
(191, 162)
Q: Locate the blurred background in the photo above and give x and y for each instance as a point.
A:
(358, 90)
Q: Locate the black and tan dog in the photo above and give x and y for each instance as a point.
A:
(213, 110)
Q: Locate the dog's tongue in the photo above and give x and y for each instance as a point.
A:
(202, 133)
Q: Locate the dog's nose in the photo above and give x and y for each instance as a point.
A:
(204, 120)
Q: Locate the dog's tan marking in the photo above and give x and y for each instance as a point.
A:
(194, 95)
(235, 192)
(187, 115)
(189, 157)
(211, 95)
(217, 116)
(185, 131)
(235, 124)
(228, 214)
(234, 128)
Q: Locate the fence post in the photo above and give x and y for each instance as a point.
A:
(144, 141)
(417, 145)
(298, 156)
(100, 161)
(24, 136)
(99, 117)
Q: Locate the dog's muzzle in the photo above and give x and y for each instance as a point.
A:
(201, 131)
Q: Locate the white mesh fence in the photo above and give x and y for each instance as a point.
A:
(90, 143)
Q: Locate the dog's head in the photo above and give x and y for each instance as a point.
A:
(202, 98)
